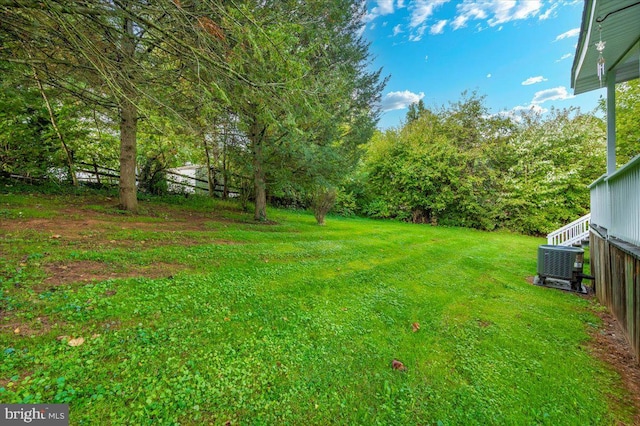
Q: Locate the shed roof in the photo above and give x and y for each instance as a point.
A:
(619, 21)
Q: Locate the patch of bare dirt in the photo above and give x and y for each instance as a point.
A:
(610, 345)
(37, 327)
(4, 383)
(69, 227)
(80, 226)
(91, 231)
(88, 270)
(484, 323)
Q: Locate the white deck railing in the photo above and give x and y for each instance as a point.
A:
(573, 233)
(615, 203)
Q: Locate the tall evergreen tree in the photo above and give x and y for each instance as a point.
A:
(119, 55)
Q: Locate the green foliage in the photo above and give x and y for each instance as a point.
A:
(460, 166)
(346, 204)
(322, 201)
(290, 323)
(552, 163)
(315, 103)
(152, 176)
(157, 79)
(27, 144)
(627, 127)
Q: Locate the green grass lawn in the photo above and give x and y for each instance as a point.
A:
(210, 318)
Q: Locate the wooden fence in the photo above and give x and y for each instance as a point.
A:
(616, 266)
(225, 184)
(181, 183)
(92, 173)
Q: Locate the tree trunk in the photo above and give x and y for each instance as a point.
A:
(128, 130)
(128, 125)
(258, 174)
(95, 168)
(211, 177)
(225, 171)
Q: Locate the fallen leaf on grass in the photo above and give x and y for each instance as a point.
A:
(76, 342)
(397, 365)
(55, 236)
(17, 330)
(415, 326)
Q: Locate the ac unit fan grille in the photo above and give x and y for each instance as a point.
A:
(557, 261)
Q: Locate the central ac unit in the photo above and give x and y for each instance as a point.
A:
(561, 267)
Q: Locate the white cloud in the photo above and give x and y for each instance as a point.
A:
(384, 7)
(496, 12)
(417, 36)
(400, 100)
(438, 27)
(533, 80)
(489, 75)
(556, 94)
(516, 113)
(421, 10)
(551, 12)
(565, 56)
(532, 107)
(397, 30)
(459, 22)
(571, 33)
(525, 10)
(400, 4)
(466, 11)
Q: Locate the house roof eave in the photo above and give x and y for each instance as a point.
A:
(618, 24)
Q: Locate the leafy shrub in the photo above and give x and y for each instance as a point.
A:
(346, 204)
(322, 201)
(460, 166)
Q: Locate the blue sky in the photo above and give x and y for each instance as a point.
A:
(518, 53)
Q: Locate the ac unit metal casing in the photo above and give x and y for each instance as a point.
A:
(558, 261)
(561, 267)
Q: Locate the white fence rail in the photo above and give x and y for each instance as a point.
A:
(615, 203)
(573, 233)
